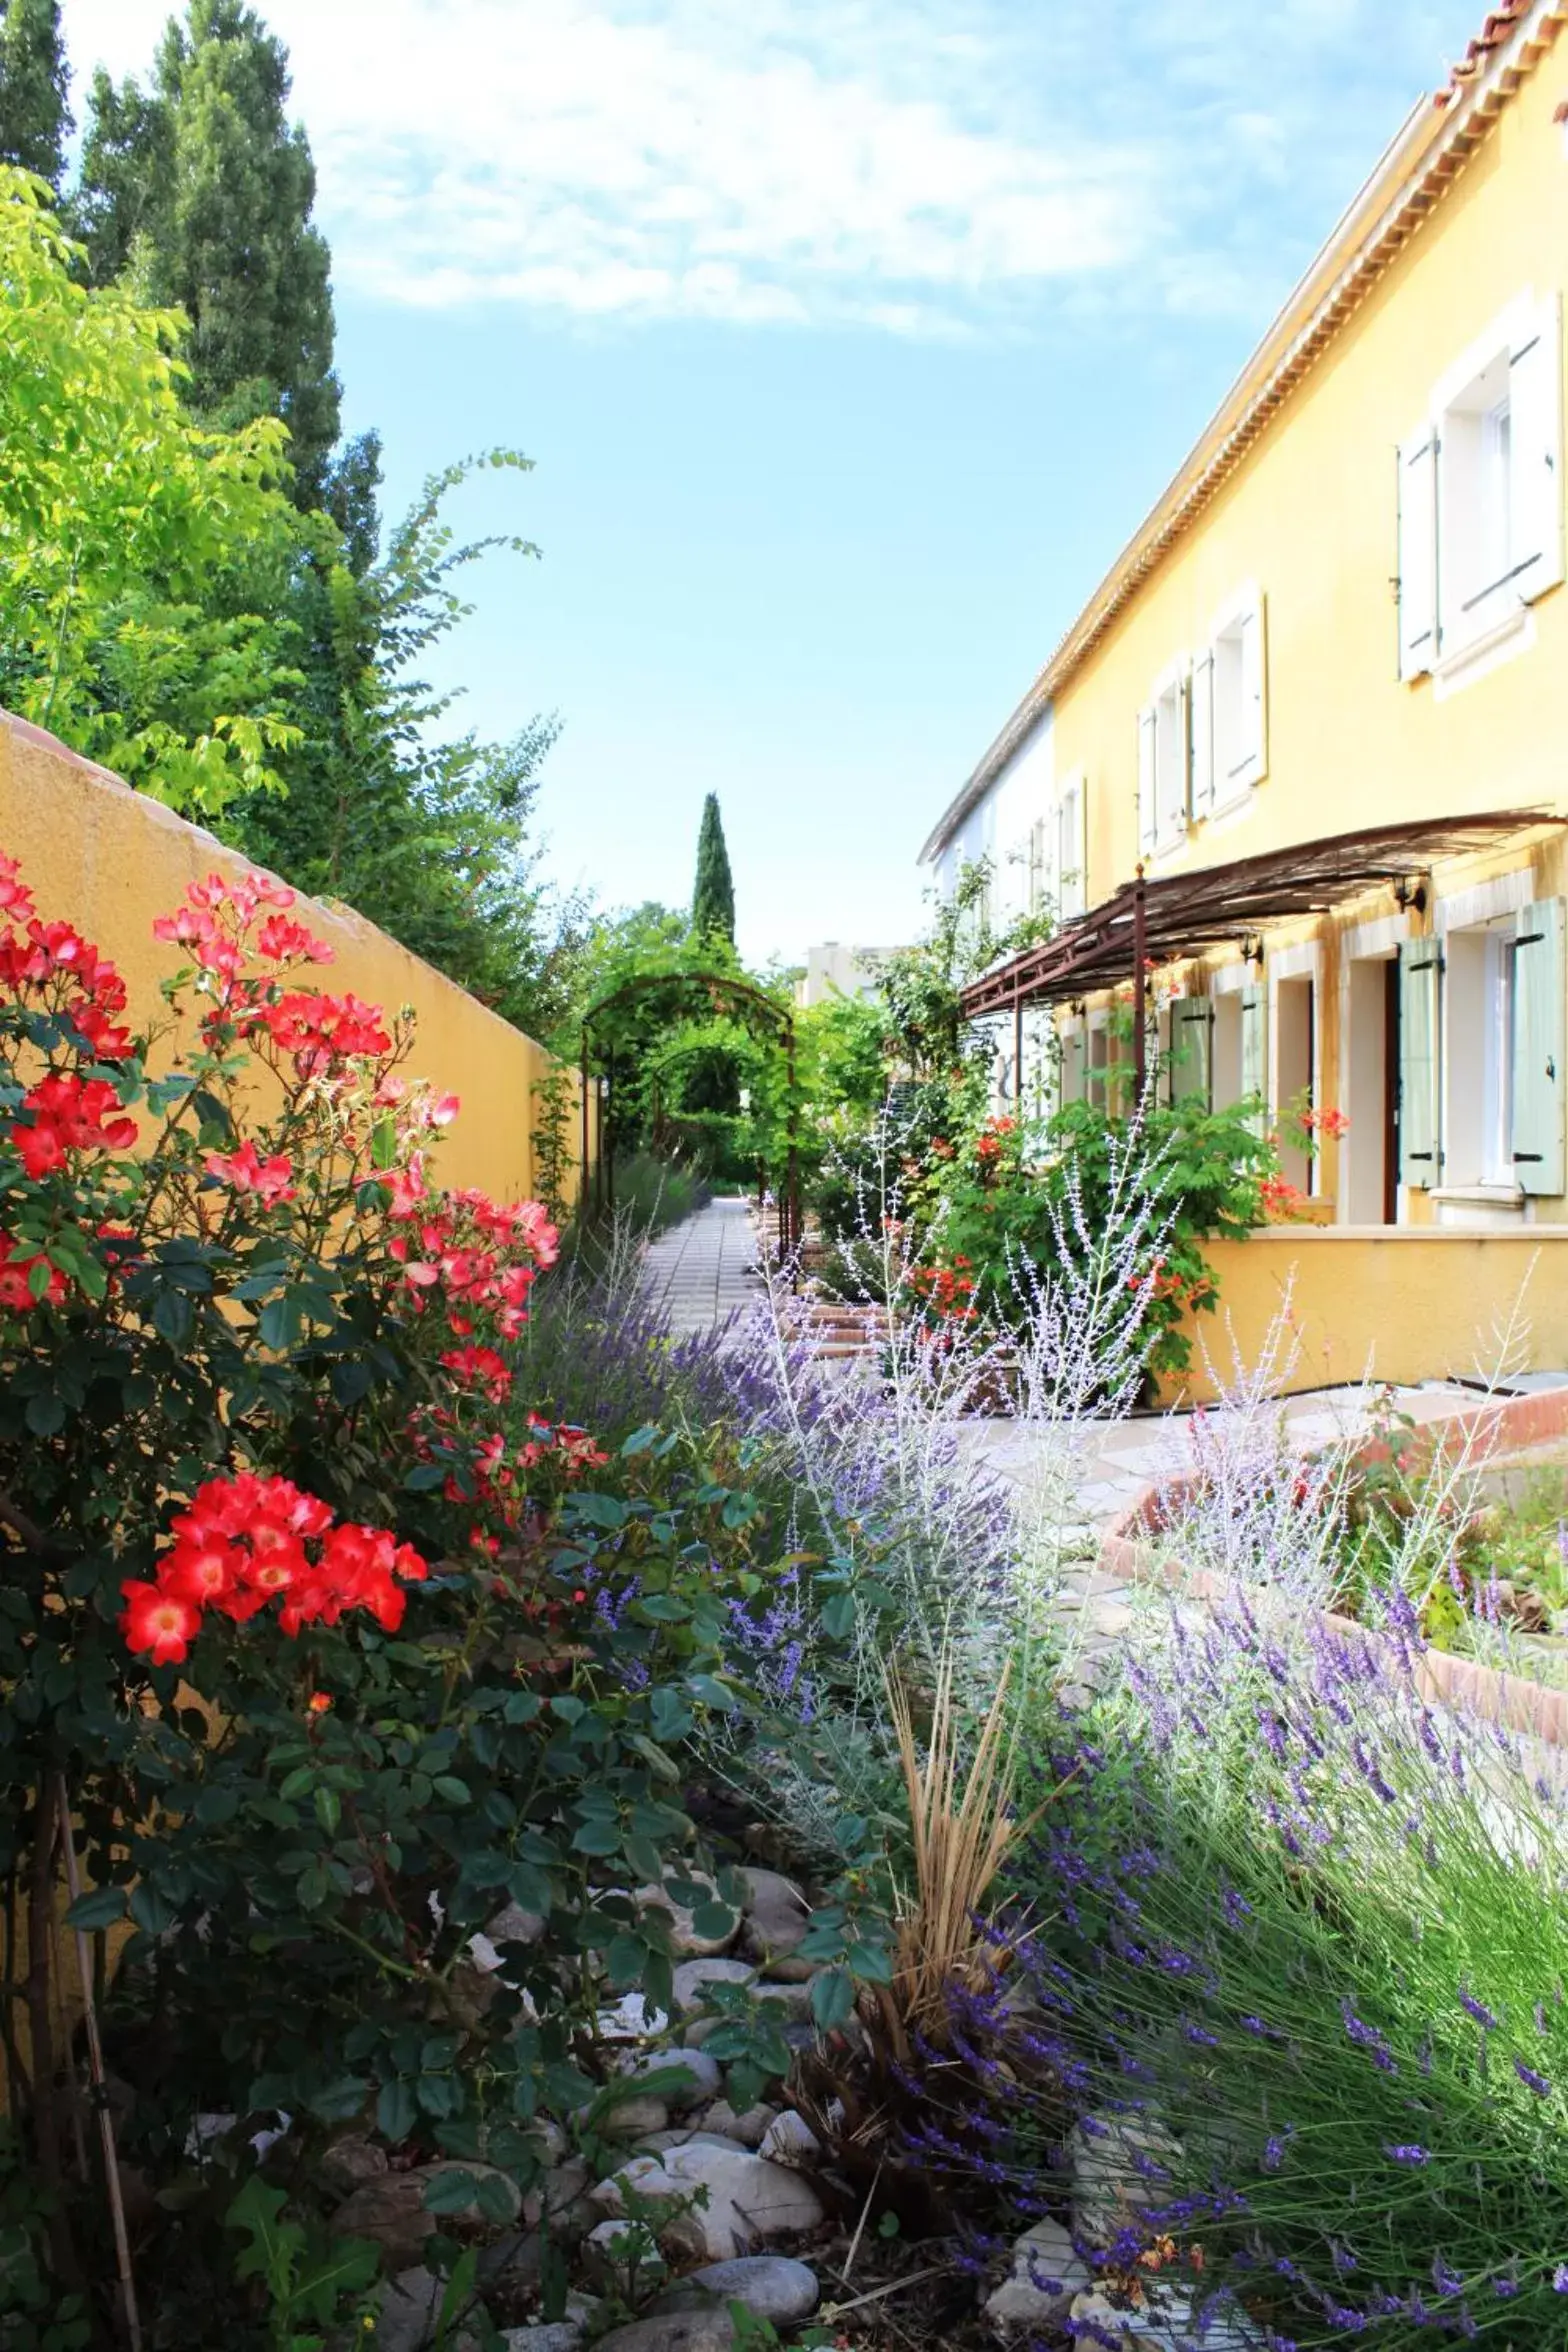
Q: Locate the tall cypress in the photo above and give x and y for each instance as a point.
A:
(713, 897)
(35, 81)
(206, 185)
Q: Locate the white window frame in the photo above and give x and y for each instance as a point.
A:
(1477, 1056)
(1239, 728)
(1070, 827)
(1165, 760)
(1470, 564)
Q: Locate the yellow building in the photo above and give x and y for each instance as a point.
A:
(1309, 735)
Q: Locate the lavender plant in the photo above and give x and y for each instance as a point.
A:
(1304, 1989)
(1333, 1523)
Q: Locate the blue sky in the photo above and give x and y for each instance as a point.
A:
(850, 338)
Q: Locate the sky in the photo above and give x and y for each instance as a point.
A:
(849, 340)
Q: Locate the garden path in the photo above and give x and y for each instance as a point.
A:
(702, 1271)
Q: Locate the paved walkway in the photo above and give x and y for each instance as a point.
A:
(1114, 1464)
(702, 1269)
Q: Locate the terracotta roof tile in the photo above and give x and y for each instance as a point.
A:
(1499, 23)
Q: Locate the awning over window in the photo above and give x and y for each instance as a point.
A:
(1185, 914)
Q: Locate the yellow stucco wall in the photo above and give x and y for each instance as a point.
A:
(1311, 516)
(1369, 1302)
(108, 859)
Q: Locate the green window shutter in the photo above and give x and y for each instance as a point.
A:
(1072, 1057)
(1538, 1047)
(1192, 1050)
(1420, 980)
(1255, 1050)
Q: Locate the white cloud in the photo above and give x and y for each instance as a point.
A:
(760, 164)
(919, 167)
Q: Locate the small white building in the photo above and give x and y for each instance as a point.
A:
(835, 970)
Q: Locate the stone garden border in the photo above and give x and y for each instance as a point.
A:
(1507, 1425)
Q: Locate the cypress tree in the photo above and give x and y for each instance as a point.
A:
(204, 183)
(35, 112)
(713, 897)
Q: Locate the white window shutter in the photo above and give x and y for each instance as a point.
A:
(1535, 471)
(1148, 813)
(1538, 1052)
(1072, 872)
(1418, 553)
(1080, 841)
(1203, 733)
(1254, 695)
(1420, 977)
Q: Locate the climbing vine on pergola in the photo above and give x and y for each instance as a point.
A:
(688, 996)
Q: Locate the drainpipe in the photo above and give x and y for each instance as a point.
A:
(1140, 988)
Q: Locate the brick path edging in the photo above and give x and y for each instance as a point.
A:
(1510, 1700)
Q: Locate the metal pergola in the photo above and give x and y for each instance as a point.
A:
(1163, 920)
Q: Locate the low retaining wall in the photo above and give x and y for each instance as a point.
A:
(1381, 1302)
(1497, 1427)
(97, 854)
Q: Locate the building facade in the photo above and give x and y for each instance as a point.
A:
(832, 969)
(1314, 720)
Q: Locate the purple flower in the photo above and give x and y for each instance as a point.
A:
(1366, 2037)
(1531, 2080)
(1446, 2281)
(1478, 2010)
(1406, 2152)
(1560, 2279)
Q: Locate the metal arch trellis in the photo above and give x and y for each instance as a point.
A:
(722, 992)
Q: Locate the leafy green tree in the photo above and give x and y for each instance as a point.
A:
(713, 897)
(206, 190)
(429, 835)
(35, 110)
(144, 558)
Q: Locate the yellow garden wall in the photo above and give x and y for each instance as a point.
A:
(1401, 1304)
(107, 859)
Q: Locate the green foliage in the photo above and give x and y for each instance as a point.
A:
(35, 81)
(305, 1854)
(426, 832)
(1008, 1198)
(713, 893)
(131, 538)
(551, 1139)
(308, 2276)
(203, 188)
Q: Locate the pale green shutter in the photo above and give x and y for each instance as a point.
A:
(1538, 1047)
(1192, 1050)
(1255, 1051)
(1420, 975)
(1072, 1046)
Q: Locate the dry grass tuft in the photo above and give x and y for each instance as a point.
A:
(962, 1835)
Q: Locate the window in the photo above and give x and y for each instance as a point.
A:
(1481, 1053)
(1480, 490)
(1039, 866)
(1238, 737)
(1164, 757)
(1072, 847)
